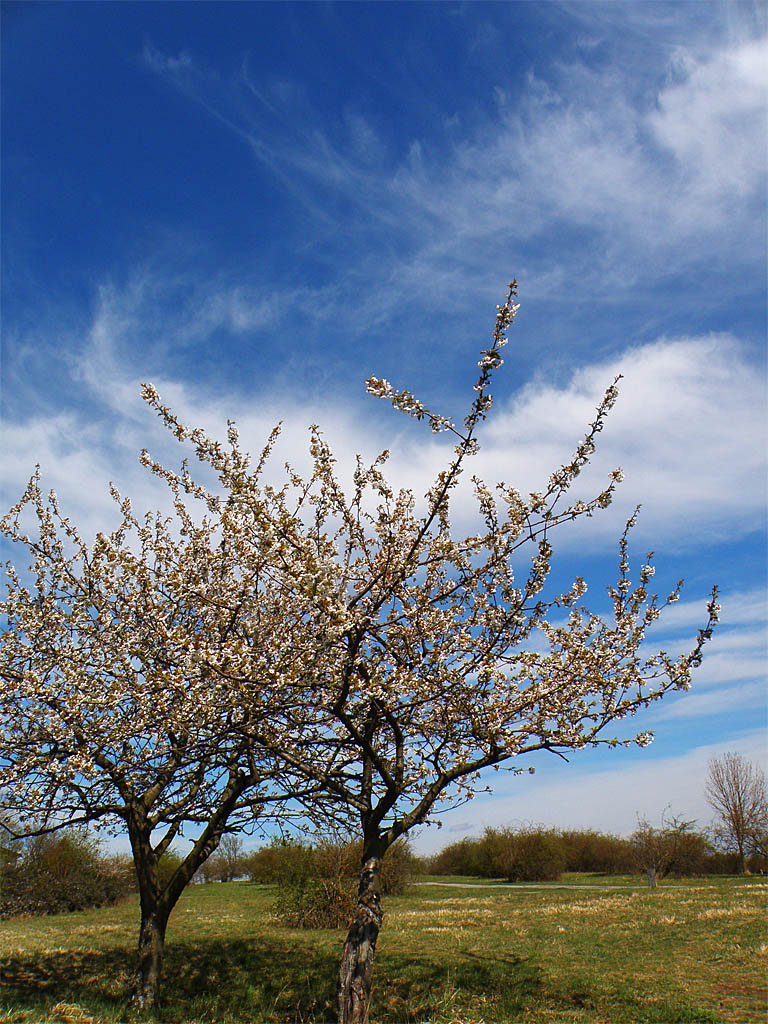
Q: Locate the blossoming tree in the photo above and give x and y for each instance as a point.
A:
(430, 661)
(116, 706)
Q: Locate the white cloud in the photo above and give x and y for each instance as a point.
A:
(720, 701)
(737, 607)
(719, 667)
(685, 430)
(711, 121)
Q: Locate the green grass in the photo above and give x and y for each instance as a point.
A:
(469, 955)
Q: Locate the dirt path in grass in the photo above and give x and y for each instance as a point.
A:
(539, 885)
(571, 885)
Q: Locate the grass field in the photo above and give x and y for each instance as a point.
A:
(458, 954)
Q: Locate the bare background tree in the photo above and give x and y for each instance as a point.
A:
(671, 848)
(736, 791)
(229, 857)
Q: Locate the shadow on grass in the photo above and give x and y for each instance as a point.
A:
(410, 991)
(276, 980)
(216, 981)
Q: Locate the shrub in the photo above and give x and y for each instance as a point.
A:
(118, 878)
(690, 855)
(316, 903)
(167, 866)
(721, 863)
(61, 872)
(587, 850)
(529, 854)
(458, 858)
(280, 863)
(757, 864)
(398, 866)
(474, 857)
(317, 886)
(672, 849)
(522, 854)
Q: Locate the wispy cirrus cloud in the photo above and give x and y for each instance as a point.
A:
(717, 703)
(743, 607)
(620, 183)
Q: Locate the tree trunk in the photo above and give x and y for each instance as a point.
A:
(158, 901)
(155, 911)
(651, 873)
(356, 967)
(146, 982)
(742, 860)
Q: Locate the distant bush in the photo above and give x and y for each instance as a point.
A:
(475, 857)
(529, 854)
(280, 863)
(167, 867)
(535, 853)
(61, 872)
(718, 862)
(493, 854)
(690, 856)
(757, 864)
(587, 850)
(317, 885)
(673, 848)
(460, 858)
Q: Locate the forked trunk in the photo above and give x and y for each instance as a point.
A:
(146, 982)
(157, 897)
(158, 900)
(356, 967)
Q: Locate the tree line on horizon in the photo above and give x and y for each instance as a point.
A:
(316, 880)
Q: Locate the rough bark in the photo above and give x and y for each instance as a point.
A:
(651, 875)
(156, 906)
(155, 912)
(146, 982)
(356, 967)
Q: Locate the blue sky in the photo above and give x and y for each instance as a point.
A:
(255, 206)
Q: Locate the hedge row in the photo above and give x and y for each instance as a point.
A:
(537, 854)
